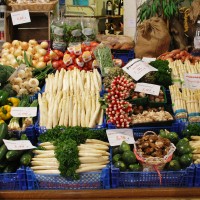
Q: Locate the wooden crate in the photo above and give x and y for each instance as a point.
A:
(38, 28)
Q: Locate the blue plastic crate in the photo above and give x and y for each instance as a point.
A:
(89, 180)
(13, 181)
(139, 131)
(182, 178)
(197, 176)
(125, 55)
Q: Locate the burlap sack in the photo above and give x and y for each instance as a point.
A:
(153, 38)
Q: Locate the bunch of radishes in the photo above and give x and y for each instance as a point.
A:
(119, 110)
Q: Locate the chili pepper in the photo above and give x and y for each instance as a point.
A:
(5, 112)
(13, 101)
(3, 97)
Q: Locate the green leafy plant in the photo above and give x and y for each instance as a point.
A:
(166, 9)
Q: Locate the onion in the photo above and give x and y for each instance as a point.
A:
(36, 56)
(10, 56)
(31, 50)
(44, 44)
(34, 63)
(24, 45)
(37, 47)
(6, 45)
(12, 49)
(40, 65)
(4, 55)
(32, 42)
(16, 43)
(20, 57)
(18, 52)
(41, 58)
(5, 51)
(42, 52)
(13, 62)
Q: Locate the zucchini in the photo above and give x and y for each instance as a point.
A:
(26, 158)
(3, 165)
(11, 168)
(13, 155)
(3, 132)
(3, 151)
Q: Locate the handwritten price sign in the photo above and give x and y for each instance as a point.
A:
(117, 136)
(192, 81)
(137, 68)
(23, 111)
(20, 17)
(18, 144)
(148, 88)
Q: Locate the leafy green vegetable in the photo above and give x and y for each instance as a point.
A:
(5, 73)
(8, 88)
(160, 77)
(191, 129)
(66, 140)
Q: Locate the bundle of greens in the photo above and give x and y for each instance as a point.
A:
(5, 73)
(191, 130)
(160, 77)
(66, 140)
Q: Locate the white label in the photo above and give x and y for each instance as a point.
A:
(147, 88)
(23, 111)
(117, 136)
(18, 144)
(20, 17)
(148, 60)
(192, 81)
(137, 68)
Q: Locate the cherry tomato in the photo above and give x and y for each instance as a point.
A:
(57, 63)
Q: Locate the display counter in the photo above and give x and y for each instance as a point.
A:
(137, 193)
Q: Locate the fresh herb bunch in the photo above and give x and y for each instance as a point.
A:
(66, 140)
(160, 77)
(162, 8)
(191, 129)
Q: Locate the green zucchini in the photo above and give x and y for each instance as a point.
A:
(13, 155)
(26, 158)
(11, 168)
(3, 165)
(3, 151)
(3, 132)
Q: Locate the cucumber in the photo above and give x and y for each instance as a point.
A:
(11, 168)
(26, 158)
(13, 155)
(3, 132)
(3, 165)
(3, 151)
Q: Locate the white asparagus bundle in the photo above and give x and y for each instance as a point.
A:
(90, 168)
(53, 171)
(92, 150)
(69, 97)
(97, 142)
(95, 146)
(44, 168)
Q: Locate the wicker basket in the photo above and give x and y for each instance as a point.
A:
(33, 6)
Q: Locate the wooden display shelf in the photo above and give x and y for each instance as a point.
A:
(38, 28)
(111, 194)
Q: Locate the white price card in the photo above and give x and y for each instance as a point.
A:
(18, 144)
(148, 60)
(20, 17)
(23, 111)
(192, 81)
(137, 68)
(117, 136)
(147, 88)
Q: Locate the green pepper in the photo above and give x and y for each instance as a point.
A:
(3, 97)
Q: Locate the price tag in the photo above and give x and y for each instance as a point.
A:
(192, 81)
(20, 17)
(137, 68)
(117, 136)
(148, 60)
(18, 144)
(147, 88)
(23, 111)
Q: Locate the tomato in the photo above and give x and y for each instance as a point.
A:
(57, 63)
(87, 48)
(94, 44)
(58, 52)
(88, 65)
(46, 57)
(53, 56)
(83, 46)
